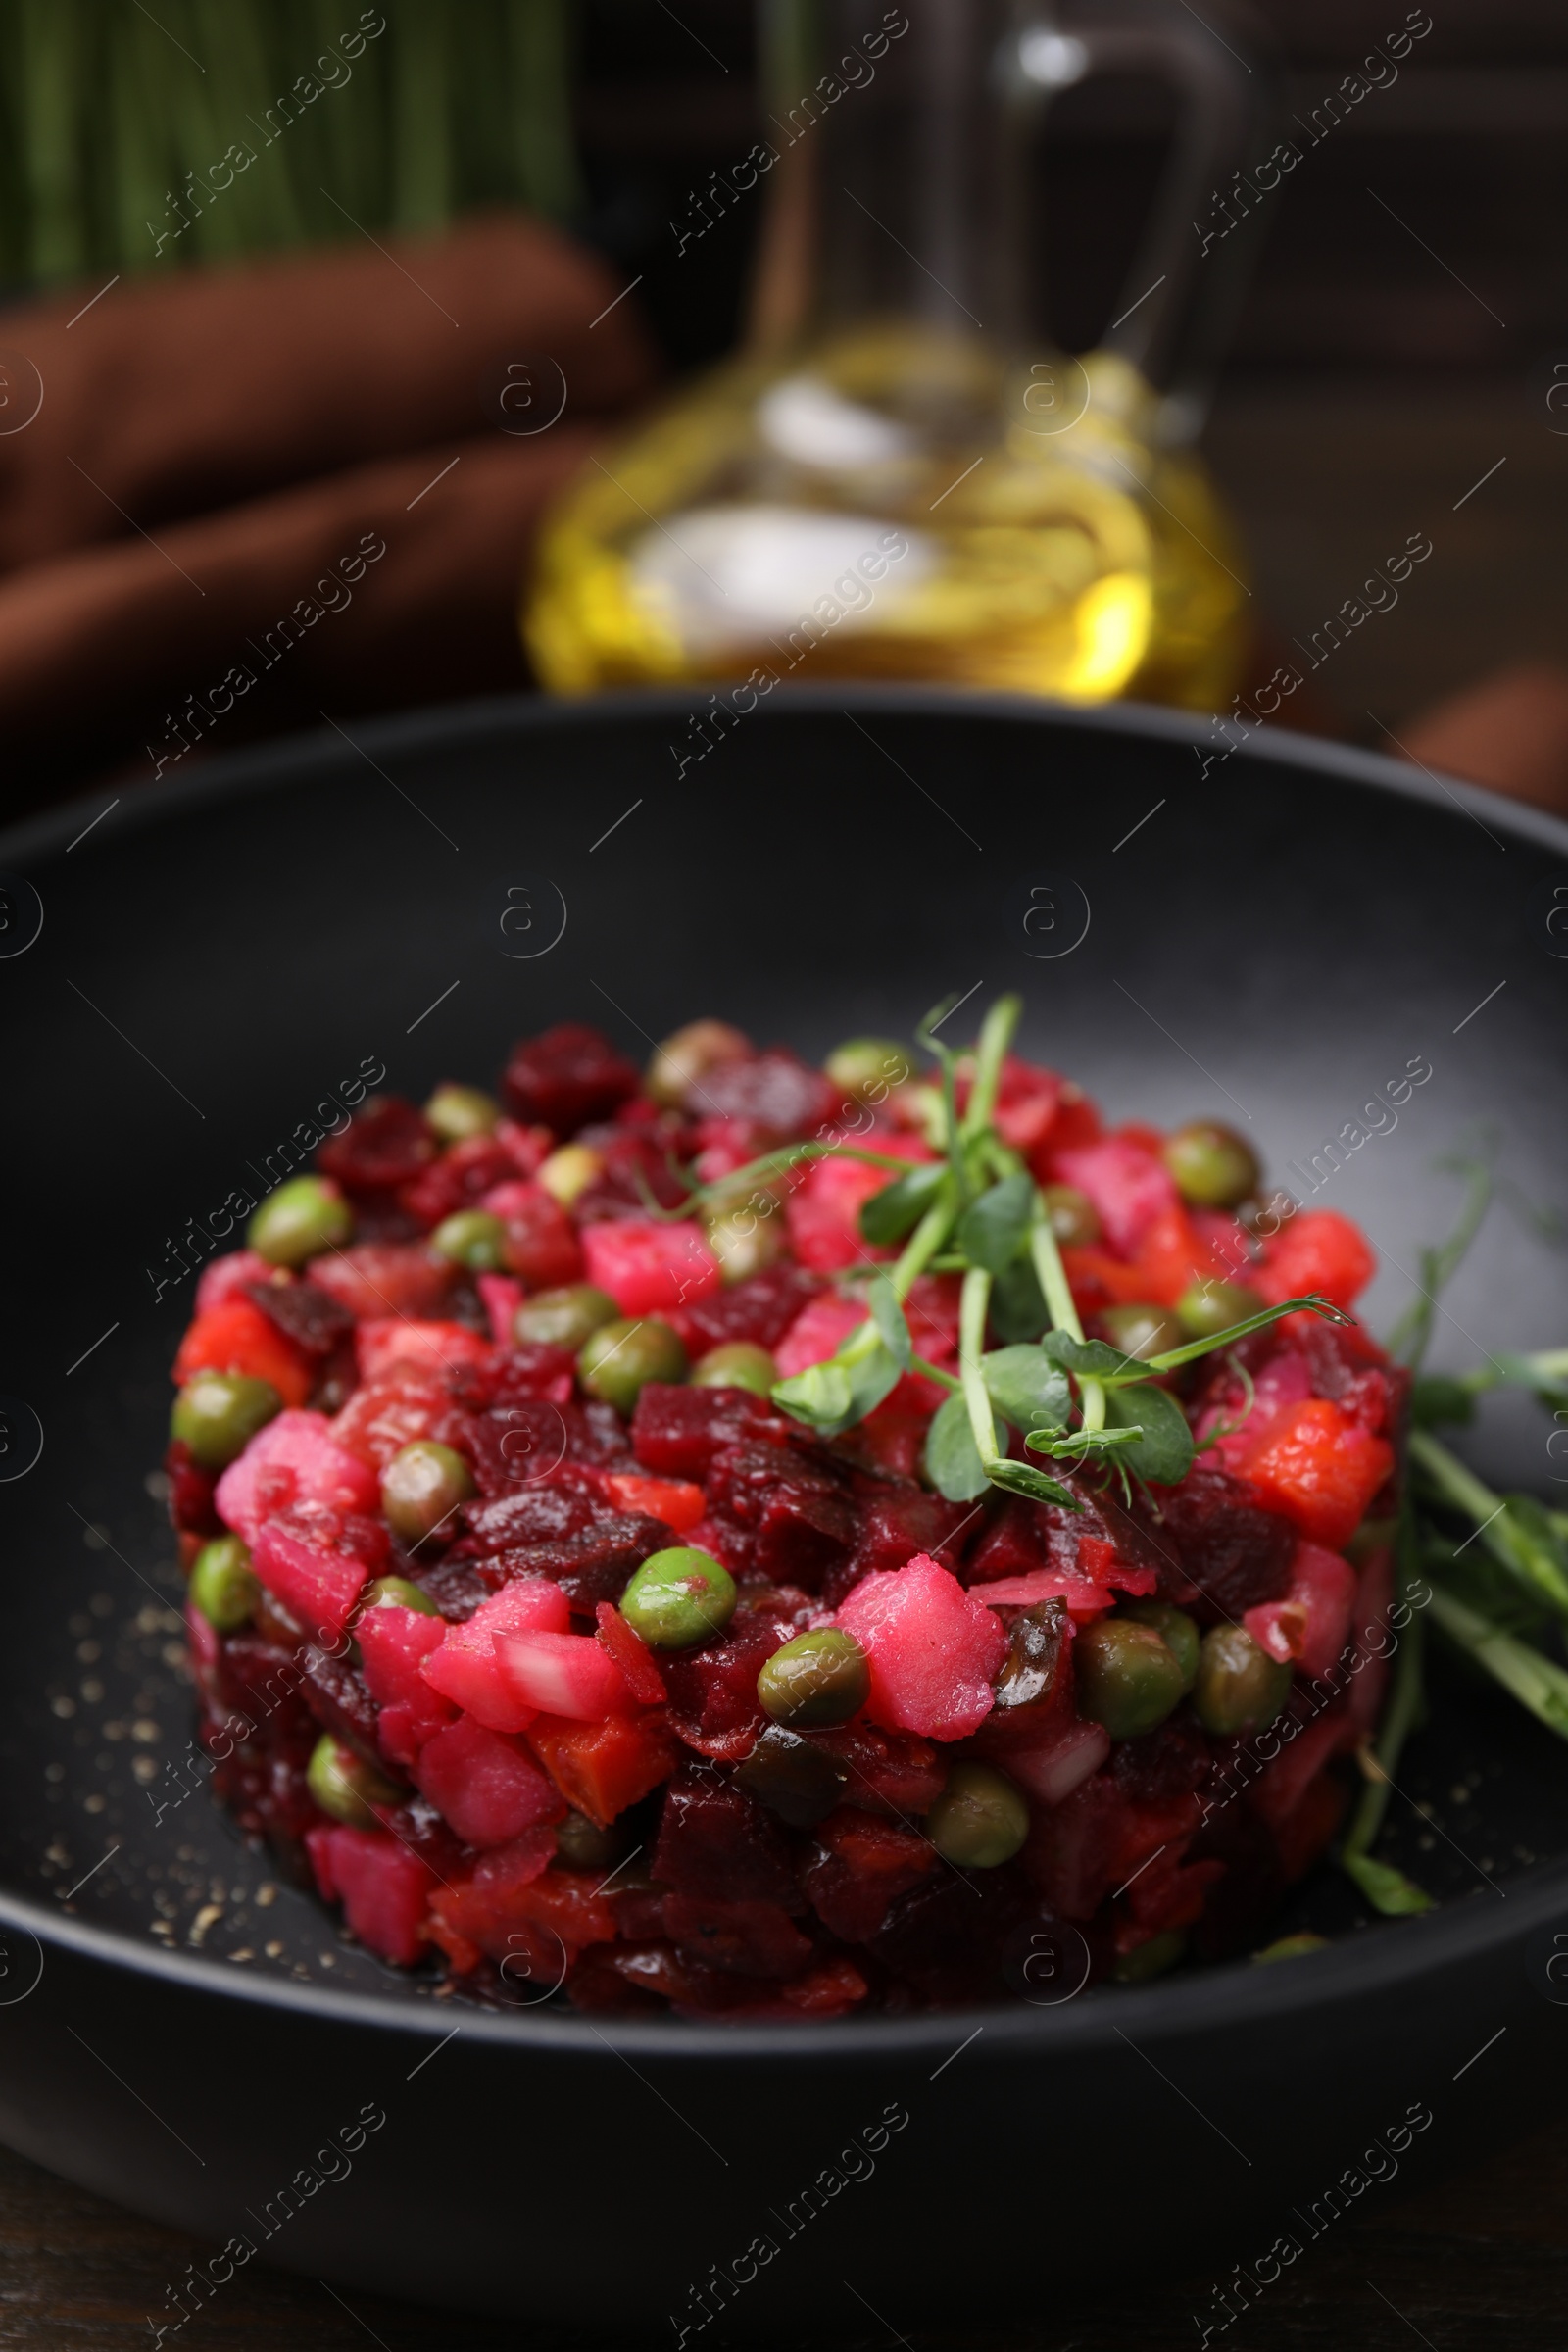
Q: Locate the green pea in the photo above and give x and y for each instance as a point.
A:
(1175, 1629)
(738, 1364)
(218, 1414)
(745, 1240)
(301, 1220)
(1214, 1167)
(1240, 1688)
(1129, 1678)
(345, 1785)
(682, 1058)
(458, 1112)
(563, 1319)
(398, 1592)
(980, 1820)
(1142, 1331)
(1074, 1219)
(618, 1361)
(1209, 1307)
(471, 1238)
(1151, 1959)
(678, 1597)
(422, 1487)
(817, 1679)
(867, 1068)
(582, 1845)
(222, 1585)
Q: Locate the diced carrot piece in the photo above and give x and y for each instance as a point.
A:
(602, 1768)
(675, 1500)
(237, 1337)
(1318, 1468)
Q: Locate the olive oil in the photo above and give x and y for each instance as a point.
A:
(889, 507)
(892, 481)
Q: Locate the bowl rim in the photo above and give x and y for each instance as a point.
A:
(1381, 1960)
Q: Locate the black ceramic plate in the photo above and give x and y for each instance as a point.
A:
(1265, 938)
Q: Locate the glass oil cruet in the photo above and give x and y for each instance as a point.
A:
(898, 478)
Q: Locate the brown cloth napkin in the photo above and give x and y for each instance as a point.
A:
(253, 494)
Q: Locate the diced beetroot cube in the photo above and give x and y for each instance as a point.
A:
(824, 1208)
(602, 1768)
(229, 1277)
(311, 1318)
(386, 1144)
(527, 1148)
(1230, 1552)
(818, 1332)
(1091, 1842)
(487, 1788)
(466, 1668)
(716, 1843)
(747, 1939)
(532, 1921)
(567, 1076)
(393, 1643)
(676, 1432)
(1128, 1185)
(863, 1864)
(540, 1245)
(888, 1772)
(648, 1269)
(384, 1889)
(775, 1093)
(191, 1508)
(675, 1500)
(385, 1278)
(760, 1308)
(1308, 1626)
(631, 1654)
(479, 1914)
(503, 1295)
(383, 1341)
(530, 1369)
(318, 1470)
(805, 1535)
(564, 1673)
(1028, 1102)
(933, 1648)
(897, 1521)
(712, 1690)
(317, 1584)
(464, 1172)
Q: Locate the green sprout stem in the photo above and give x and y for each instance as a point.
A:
(996, 1036)
(973, 1303)
(1537, 1682)
(1497, 1527)
(1051, 1276)
(1399, 1714)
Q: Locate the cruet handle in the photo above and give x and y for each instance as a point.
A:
(1187, 279)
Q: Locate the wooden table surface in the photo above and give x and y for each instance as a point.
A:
(1476, 2265)
(1328, 478)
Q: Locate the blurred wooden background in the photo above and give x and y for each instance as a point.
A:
(1378, 370)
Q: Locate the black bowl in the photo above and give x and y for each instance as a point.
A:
(1266, 936)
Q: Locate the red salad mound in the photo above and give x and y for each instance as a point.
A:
(537, 1618)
